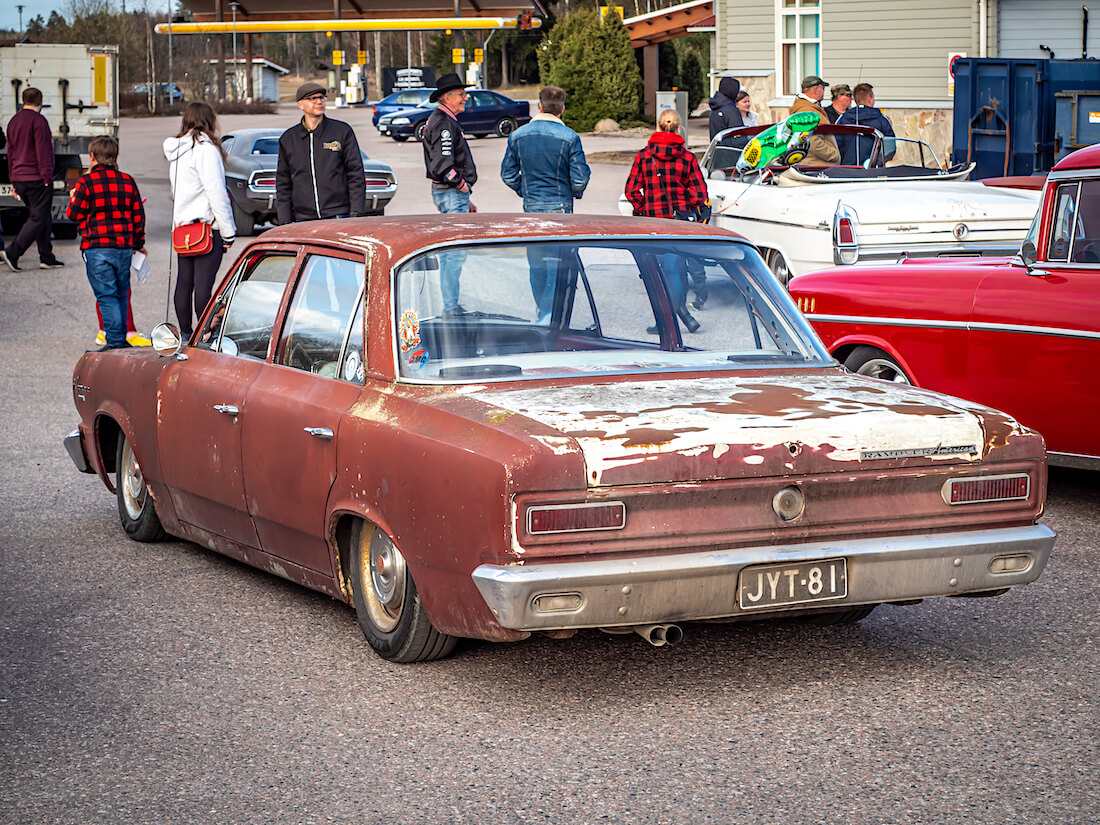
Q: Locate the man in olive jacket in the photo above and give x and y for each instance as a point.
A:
(320, 171)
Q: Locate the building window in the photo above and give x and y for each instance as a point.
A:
(799, 42)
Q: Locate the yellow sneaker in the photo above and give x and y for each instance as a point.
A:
(136, 339)
(101, 338)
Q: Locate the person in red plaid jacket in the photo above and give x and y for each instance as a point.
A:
(107, 205)
(666, 182)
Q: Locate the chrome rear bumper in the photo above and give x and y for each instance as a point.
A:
(74, 446)
(690, 586)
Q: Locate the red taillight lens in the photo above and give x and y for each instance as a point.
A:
(263, 182)
(989, 488)
(845, 231)
(570, 518)
(377, 182)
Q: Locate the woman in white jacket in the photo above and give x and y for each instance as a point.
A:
(196, 169)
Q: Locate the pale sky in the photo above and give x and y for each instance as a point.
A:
(9, 14)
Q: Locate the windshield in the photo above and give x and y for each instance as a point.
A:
(265, 146)
(568, 307)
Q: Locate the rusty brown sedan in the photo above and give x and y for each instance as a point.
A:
(493, 426)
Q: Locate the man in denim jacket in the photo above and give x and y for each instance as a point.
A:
(544, 163)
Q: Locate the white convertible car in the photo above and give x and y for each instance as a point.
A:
(809, 217)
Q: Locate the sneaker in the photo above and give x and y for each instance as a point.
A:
(11, 264)
(136, 339)
(101, 338)
(54, 264)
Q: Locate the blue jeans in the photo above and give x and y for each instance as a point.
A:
(109, 274)
(542, 259)
(450, 201)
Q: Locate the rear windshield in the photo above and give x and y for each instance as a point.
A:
(567, 307)
(265, 146)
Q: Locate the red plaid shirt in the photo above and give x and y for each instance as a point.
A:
(665, 177)
(107, 205)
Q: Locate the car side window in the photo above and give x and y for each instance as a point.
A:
(243, 316)
(483, 99)
(1064, 222)
(1086, 246)
(320, 315)
(227, 143)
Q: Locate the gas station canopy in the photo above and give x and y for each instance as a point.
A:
(206, 11)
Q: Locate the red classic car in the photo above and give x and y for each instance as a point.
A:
(490, 426)
(1020, 334)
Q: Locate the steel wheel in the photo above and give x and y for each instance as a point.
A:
(874, 363)
(384, 567)
(505, 126)
(136, 508)
(387, 603)
(418, 132)
(778, 265)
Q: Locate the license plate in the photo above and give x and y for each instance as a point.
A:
(7, 190)
(773, 585)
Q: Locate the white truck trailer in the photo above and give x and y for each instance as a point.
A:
(79, 85)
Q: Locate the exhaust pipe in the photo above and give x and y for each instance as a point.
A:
(660, 635)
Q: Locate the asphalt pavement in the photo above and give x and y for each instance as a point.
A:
(161, 683)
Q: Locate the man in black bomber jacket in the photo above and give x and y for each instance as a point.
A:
(320, 172)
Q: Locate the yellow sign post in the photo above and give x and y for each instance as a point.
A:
(479, 55)
(337, 57)
(458, 55)
(361, 58)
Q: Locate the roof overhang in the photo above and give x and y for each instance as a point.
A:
(668, 24)
(209, 11)
(254, 26)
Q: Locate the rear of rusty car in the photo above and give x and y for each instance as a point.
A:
(558, 453)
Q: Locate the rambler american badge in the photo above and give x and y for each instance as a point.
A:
(960, 231)
(332, 145)
(869, 455)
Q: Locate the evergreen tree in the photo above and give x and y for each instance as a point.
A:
(668, 68)
(594, 63)
(692, 79)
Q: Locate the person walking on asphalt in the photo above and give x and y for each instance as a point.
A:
(30, 169)
(724, 113)
(196, 171)
(320, 170)
(545, 164)
(450, 167)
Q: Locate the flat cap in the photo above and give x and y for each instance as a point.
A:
(310, 88)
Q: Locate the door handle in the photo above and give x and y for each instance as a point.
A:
(228, 409)
(320, 432)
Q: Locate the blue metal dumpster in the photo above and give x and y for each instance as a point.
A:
(1005, 115)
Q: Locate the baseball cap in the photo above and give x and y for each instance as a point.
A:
(811, 81)
(840, 89)
(310, 88)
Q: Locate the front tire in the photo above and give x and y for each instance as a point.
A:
(387, 603)
(136, 508)
(505, 126)
(418, 132)
(400, 138)
(874, 363)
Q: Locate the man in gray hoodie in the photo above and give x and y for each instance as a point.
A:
(724, 113)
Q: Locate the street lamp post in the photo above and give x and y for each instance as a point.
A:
(234, 6)
(20, 8)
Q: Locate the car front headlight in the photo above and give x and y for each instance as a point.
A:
(400, 121)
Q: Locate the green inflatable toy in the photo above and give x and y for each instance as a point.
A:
(787, 142)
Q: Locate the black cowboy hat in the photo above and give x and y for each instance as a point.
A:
(449, 82)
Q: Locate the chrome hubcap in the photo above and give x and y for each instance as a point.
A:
(884, 370)
(132, 483)
(384, 572)
(778, 266)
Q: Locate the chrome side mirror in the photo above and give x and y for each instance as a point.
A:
(1029, 254)
(166, 339)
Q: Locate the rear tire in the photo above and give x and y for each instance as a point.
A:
(778, 265)
(874, 363)
(245, 221)
(387, 603)
(136, 508)
(505, 126)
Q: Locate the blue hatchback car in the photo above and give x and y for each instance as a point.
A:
(404, 99)
(486, 113)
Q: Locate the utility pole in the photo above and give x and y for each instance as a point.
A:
(236, 80)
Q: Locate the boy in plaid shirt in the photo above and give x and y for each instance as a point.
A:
(107, 205)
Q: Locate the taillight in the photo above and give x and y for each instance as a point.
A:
(377, 182)
(987, 488)
(571, 518)
(845, 232)
(258, 182)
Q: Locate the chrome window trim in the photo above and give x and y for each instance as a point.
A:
(968, 326)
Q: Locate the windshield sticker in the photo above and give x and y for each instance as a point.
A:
(418, 359)
(409, 329)
(353, 367)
